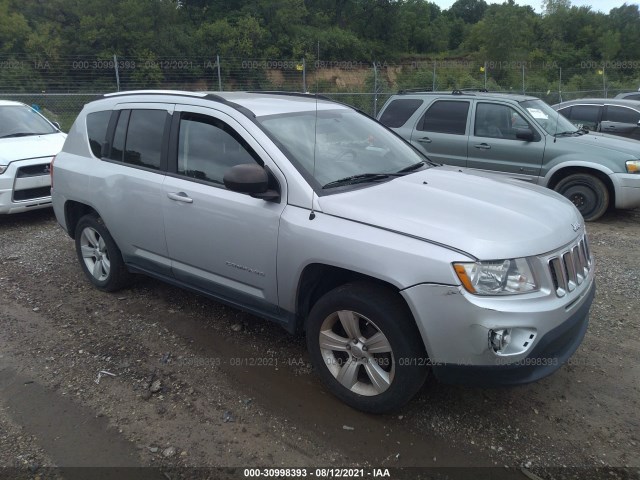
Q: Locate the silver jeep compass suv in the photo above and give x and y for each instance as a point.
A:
(310, 214)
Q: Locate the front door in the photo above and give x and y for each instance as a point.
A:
(494, 147)
(220, 241)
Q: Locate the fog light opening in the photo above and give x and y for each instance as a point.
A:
(499, 339)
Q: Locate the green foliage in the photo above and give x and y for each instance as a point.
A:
(37, 37)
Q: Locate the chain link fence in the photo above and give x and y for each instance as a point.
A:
(60, 86)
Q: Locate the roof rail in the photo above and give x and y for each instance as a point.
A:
(290, 94)
(467, 91)
(415, 90)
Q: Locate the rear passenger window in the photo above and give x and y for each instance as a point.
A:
(399, 111)
(622, 115)
(138, 138)
(208, 147)
(97, 124)
(445, 116)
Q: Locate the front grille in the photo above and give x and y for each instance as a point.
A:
(33, 170)
(30, 193)
(570, 268)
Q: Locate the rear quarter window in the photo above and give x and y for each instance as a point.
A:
(399, 111)
(97, 124)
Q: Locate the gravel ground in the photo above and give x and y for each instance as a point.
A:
(192, 383)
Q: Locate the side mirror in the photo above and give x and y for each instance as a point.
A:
(525, 134)
(251, 179)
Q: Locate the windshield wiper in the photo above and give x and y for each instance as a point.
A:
(360, 178)
(20, 134)
(372, 177)
(567, 133)
(411, 168)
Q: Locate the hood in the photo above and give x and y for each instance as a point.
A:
(36, 146)
(586, 143)
(489, 218)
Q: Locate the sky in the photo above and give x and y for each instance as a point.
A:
(596, 5)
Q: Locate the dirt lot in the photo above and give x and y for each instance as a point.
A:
(192, 383)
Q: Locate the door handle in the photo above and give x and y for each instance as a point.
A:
(424, 140)
(483, 146)
(180, 197)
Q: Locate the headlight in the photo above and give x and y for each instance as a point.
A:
(498, 277)
(633, 166)
(2, 169)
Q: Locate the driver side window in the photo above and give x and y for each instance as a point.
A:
(498, 121)
(208, 147)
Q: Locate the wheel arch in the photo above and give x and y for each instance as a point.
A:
(601, 175)
(73, 212)
(318, 279)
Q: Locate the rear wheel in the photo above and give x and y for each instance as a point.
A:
(587, 192)
(99, 256)
(366, 348)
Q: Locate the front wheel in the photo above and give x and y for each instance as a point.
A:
(366, 348)
(99, 256)
(587, 193)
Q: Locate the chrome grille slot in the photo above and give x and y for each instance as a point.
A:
(567, 261)
(577, 265)
(570, 268)
(587, 250)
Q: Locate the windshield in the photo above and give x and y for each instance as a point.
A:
(545, 116)
(346, 142)
(20, 120)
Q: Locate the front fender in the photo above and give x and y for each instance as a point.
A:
(573, 161)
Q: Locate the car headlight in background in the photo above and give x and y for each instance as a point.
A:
(497, 277)
(3, 168)
(633, 166)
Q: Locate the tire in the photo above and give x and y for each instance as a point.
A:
(99, 256)
(344, 325)
(587, 193)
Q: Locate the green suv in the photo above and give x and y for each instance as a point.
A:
(521, 137)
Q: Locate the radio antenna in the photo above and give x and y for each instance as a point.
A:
(312, 215)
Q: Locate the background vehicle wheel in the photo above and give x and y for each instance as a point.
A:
(99, 256)
(366, 348)
(587, 192)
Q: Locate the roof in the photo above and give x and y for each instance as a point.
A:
(600, 101)
(258, 103)
(10, 103)
(468, 94)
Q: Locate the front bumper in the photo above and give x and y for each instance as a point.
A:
(627, 188)
(25, 185)
(456, 327)
(550, 353)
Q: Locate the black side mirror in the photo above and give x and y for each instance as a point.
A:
(251, 179)
(525, 134)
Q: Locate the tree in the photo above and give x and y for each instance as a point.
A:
(469, 11)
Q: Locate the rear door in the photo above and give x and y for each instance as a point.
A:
(441, 132)
(494, 147)
(620, 120)
(129, 187)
